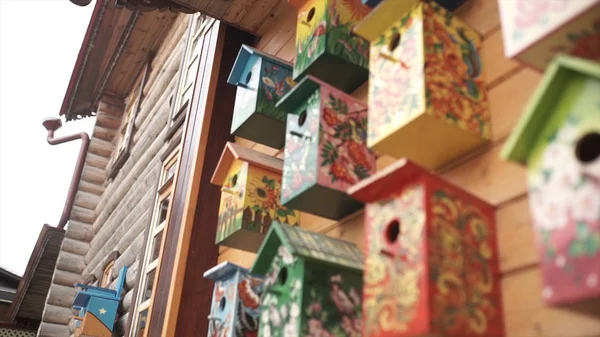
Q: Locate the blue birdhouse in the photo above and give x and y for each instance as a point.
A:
(261, 80)
(236, 297)
(97, 308)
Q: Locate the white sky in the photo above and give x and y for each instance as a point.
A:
(39, 43)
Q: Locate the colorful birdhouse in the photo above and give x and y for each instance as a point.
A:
(325, 46)
(431, 264)
(261, 80)
(535, 31)
(250, 197)
(558, 138)
(235, 302)
(97, 308)
(312, 284)
(427, 100)
(325, 149)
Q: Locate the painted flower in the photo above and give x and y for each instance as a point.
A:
(264, 317)
(268, 82)
(341, 300)
(359, 155)
(316, 329)
(587, 47)
(285, 254)
(530, 13)
(295, 310)
(350, 328)
(266, 330)
(356, 9)
(550, 215)
(330, 116)
(340, 170)
(586, 203)
(314, 308)
(291, 329)
(290, 81)
(284, 312)
(274, 316)
(355, 297)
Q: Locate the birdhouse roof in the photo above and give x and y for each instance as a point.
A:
(382, 17)
(306, 245)
(233, 151)
(539, 110)
(223, 270)
(242, 59)
(302, 91)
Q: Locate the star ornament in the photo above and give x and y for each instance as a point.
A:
(102, 311)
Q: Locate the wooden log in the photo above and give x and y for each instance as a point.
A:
(66, 278)
(111, 106)
(108, 121)
(141, 224)
(132, 271)
(93, 174)
(97, 161)
(126, 302)
(79, 231)
(104, 134)
(130, 254)
(75, 246)
(61, 296)
(86, 200)
(160, 106)
(53, 330)
(56, 314)
(121, 324)
(70, 262)
(90, 187)
(82, 215)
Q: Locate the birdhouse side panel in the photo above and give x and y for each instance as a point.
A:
(344, 158)
(263, 201)
(282, 299)
(246, 97)
(231, 209)
(275, 81)
(311, 26)
(454, 87)
(342, 16)
(332, 304)
(222, 313)
(464, 273)
(301, 148)
(395, 297)
(396, 80)
(564, 195)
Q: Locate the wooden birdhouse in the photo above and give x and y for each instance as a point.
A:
(325, 45)
(261, 80)
(235, 303)
(325, 149)
(312, 284)
(431, 264)
(97, 307)
(250, 197)
(535, 31)
(558, 138)
(427, 100)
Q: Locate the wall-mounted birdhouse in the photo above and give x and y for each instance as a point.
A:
(427, 100)
(312, 284)
(558, 138)
(535, 31)
(261, 80)
(250, 197)
(325, 46)
(325, 149)
(235, 303)
(431, 264)
(97, 308)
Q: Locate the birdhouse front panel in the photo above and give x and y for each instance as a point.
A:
(535, 31)
(325, 46)
(233, 194)
(325, 150)
(432, 261)
(427, 100)
(564, 194)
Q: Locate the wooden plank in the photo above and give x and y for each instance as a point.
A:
(255, 16)
(495, 65)
(482, 15)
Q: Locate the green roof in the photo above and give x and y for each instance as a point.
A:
(544, 99)
(307, 245)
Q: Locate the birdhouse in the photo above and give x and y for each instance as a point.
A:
(261, 80)
(250, 192)
(325, 149)
(558, 139)
(97, 308)
(325, 45)
(235, 303)
(431, 264)
(312, 284)
(427, 100)
(535, 31)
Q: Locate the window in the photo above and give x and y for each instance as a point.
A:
(107, 272)
(154, 243)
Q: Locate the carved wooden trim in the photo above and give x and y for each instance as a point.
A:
(151, 5)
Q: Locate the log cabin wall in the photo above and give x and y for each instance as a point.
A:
(112, 214)
(503, 184)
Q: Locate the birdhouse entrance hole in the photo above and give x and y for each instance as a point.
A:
(283, 276)
(311, 14)
(588, 147)
(248, 77)
(302, 118)
(234, 180)
(222, 303)
(394, 42)
(392, 231)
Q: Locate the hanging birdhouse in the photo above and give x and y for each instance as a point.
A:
(97, 308)
(312, 284)
(325, 46)
(261, 80)
(427, 100)
(250, 192)
(235, 304)
(431, 264)
(325, 149)
(558, 139)
(535, 31)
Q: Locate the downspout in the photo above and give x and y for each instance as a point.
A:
(52, 124)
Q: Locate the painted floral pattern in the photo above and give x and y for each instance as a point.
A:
(535, 13)
(584, 43)
(392, 286)
(276, 80)
(232, 201)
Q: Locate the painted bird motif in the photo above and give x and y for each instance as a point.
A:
(470, 56)
(358, 132)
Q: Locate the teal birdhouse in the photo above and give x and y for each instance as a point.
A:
(313, 284)
(261, 80)
(558, 138)
(235, 304)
